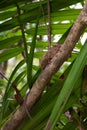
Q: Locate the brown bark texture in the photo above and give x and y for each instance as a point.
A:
(46, 74)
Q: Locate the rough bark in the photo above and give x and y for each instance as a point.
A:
(50, 70)
(46, 59)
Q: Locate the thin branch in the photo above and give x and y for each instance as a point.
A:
(3, 76)
(45, 76)
(48, 27)
(18, 96)
(49, 24)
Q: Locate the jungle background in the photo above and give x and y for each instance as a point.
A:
(28, 28)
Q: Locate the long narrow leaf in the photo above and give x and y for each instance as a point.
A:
(31, 55)
(70, 82)
(8, 88)
(47, 102)
(10, 54)
(4, 44)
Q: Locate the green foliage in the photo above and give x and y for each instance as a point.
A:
(9, 53)
(22, 34)
(77, 67)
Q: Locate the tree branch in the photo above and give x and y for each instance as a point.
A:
(50, 70)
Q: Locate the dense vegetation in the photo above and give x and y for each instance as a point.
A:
(24, 32)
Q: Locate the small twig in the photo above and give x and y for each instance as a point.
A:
(3, 76)
(48, 27)
(49, 24)
(18, 96)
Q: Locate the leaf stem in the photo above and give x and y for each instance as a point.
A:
(24, 40)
